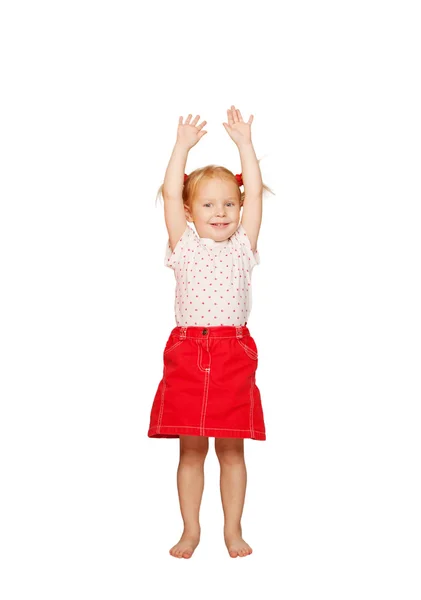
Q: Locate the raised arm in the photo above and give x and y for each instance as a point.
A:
(175, 218)
(240, 133)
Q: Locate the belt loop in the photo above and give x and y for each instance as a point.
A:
(239, 331)
(183, 331)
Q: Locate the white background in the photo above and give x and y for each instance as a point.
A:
(91, 95)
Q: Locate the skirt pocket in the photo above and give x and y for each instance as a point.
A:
(173, 342)
(249, 346)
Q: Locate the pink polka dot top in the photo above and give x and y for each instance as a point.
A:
(213, 279)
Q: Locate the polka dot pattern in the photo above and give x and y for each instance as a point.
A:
(213, 279)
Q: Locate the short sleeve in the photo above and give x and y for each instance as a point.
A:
(241, 240)
(175, 257)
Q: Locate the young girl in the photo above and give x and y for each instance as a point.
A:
(208, 387)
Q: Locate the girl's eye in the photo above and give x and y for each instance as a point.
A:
(208, 204)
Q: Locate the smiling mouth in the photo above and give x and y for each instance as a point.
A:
(219, 224)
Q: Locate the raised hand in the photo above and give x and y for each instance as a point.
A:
(238, 131)
(188, 134)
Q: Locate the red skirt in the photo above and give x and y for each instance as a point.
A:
(208, 386)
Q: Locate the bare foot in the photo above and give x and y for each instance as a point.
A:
(186, 546)
(236, 545)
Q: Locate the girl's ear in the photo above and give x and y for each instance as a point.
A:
(188, 214)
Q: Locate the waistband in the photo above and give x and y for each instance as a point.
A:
(221, 331)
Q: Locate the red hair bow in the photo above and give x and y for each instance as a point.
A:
(238, 177)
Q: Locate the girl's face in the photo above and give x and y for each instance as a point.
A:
(216, 201)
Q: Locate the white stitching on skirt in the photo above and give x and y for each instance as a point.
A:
(161, 409)
(252, 406)
(173, 346)
(204, 403)
(207, 377)
(198, 427)
(248, 350)
(199, 357)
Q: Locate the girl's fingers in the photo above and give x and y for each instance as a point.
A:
(239, 116)
(234, 114)
(229, 117)
(193, 123)
(251, 119)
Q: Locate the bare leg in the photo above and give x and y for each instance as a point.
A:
(230, 453)
(190, 483)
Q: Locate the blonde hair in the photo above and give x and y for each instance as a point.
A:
(207, 172)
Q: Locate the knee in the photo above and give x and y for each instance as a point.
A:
(194, 453)
(193, 456)
(229, 453)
